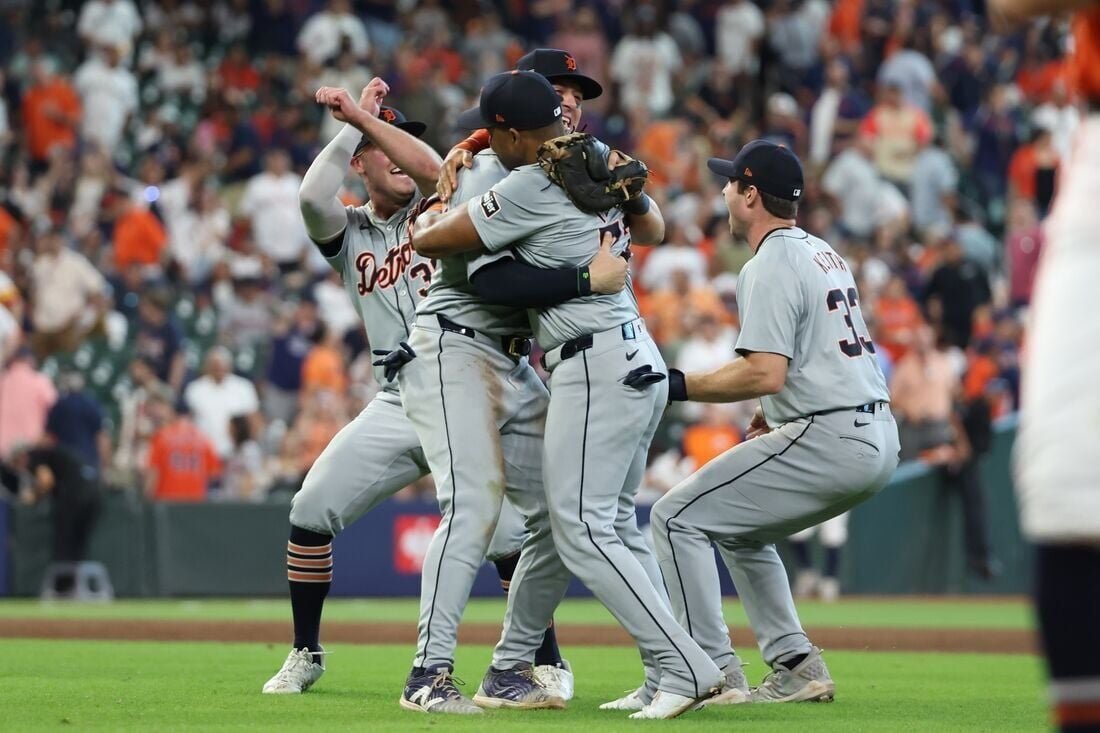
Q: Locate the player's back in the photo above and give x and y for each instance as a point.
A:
(797, 295)
(451, 293)
(535, 217)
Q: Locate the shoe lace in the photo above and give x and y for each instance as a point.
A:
(445, 682)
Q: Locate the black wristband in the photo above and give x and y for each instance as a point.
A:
(638, 206)
(584, 281)
(677, 386)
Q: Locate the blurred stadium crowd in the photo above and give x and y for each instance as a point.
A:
(158, 286)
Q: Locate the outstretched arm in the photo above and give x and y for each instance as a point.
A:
(759, 373)
(318, 196)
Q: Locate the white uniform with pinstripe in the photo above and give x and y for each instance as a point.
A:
(833, 445)
(597, 433)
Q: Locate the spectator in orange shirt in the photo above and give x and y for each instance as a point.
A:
(1033, 170)
(711, 437)
(321, 417)
(671, 312)
(324, 367)
(898, 317)
(51, 112)
(182, 460)
(139, 236)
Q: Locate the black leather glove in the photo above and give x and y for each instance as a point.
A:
(394, 360)
(677, 387)
(642, 377)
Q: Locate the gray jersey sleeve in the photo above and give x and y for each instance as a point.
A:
(506, 213)
(770, 312)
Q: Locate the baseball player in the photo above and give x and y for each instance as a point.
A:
(822, 440)
(1057, 476)
(607, 393)
(471, 338)
(378, 453)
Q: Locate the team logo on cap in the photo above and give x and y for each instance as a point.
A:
(388, 115)
(797, 192)
(748, 172)
(499, 118)
(557, 111)
(570, 63)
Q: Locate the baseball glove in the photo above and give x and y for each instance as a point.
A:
(577, 163)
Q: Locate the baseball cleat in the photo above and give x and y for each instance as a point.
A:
(558, 681)
(735, 688)
(634, 700)
(666, 705)
(433, 690)
(515, 688)
(807, 682)
(297, 675)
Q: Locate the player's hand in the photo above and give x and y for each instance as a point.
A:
(642, 377)
(394, 360)
(607, 271)
(758, 426)
(448, 172)
(370, 100)
(340, 104)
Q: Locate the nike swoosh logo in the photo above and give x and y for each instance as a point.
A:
(632, 354)
(861, 424)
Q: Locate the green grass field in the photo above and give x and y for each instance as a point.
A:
(80, 685)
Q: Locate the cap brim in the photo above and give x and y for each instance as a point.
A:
(471, 120)
(416, 129)
(589, 87)
(722, 167)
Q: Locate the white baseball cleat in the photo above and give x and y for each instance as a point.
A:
(735, 688)
(558, 681)
(297, 675)
(634, 700)
(666, 705)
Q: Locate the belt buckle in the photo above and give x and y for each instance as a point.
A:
(518, 346)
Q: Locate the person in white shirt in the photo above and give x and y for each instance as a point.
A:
(644, 63)
(320, 38)
(271, 202)
(740, 26)
(69, 296)
(114, 23)
(854, 183)
(219, 396)
(109, 93)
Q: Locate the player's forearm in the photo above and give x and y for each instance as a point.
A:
(411, 154)
(741, 379)
(318, 196)
(647, 227)
(443, 235)
(520, 285)
(1019, 10)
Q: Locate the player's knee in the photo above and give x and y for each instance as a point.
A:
(659, 515)
(314, 517)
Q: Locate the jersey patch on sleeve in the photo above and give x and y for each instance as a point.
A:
(489, 205)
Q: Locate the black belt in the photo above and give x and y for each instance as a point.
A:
(572, 347)
(869, 408)
(513, 346)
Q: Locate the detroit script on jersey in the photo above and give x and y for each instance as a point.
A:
(373, 274)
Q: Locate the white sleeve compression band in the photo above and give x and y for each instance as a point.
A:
(318, 196)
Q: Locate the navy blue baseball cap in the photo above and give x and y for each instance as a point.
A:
(394, 117)
(520, 100)
(555, 65)
(772, 168)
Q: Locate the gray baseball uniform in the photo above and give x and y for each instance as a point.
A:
(378, 453)
(833, 445)
(478, 408)
(597, 430)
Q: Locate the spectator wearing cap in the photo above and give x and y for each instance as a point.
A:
(26, 396)
(322, 35)
(182, 460)
(219, 395)
(158, 339)
(69, 296)
(51, 112)
(270, 202)
(109, 95)
(644, 65)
